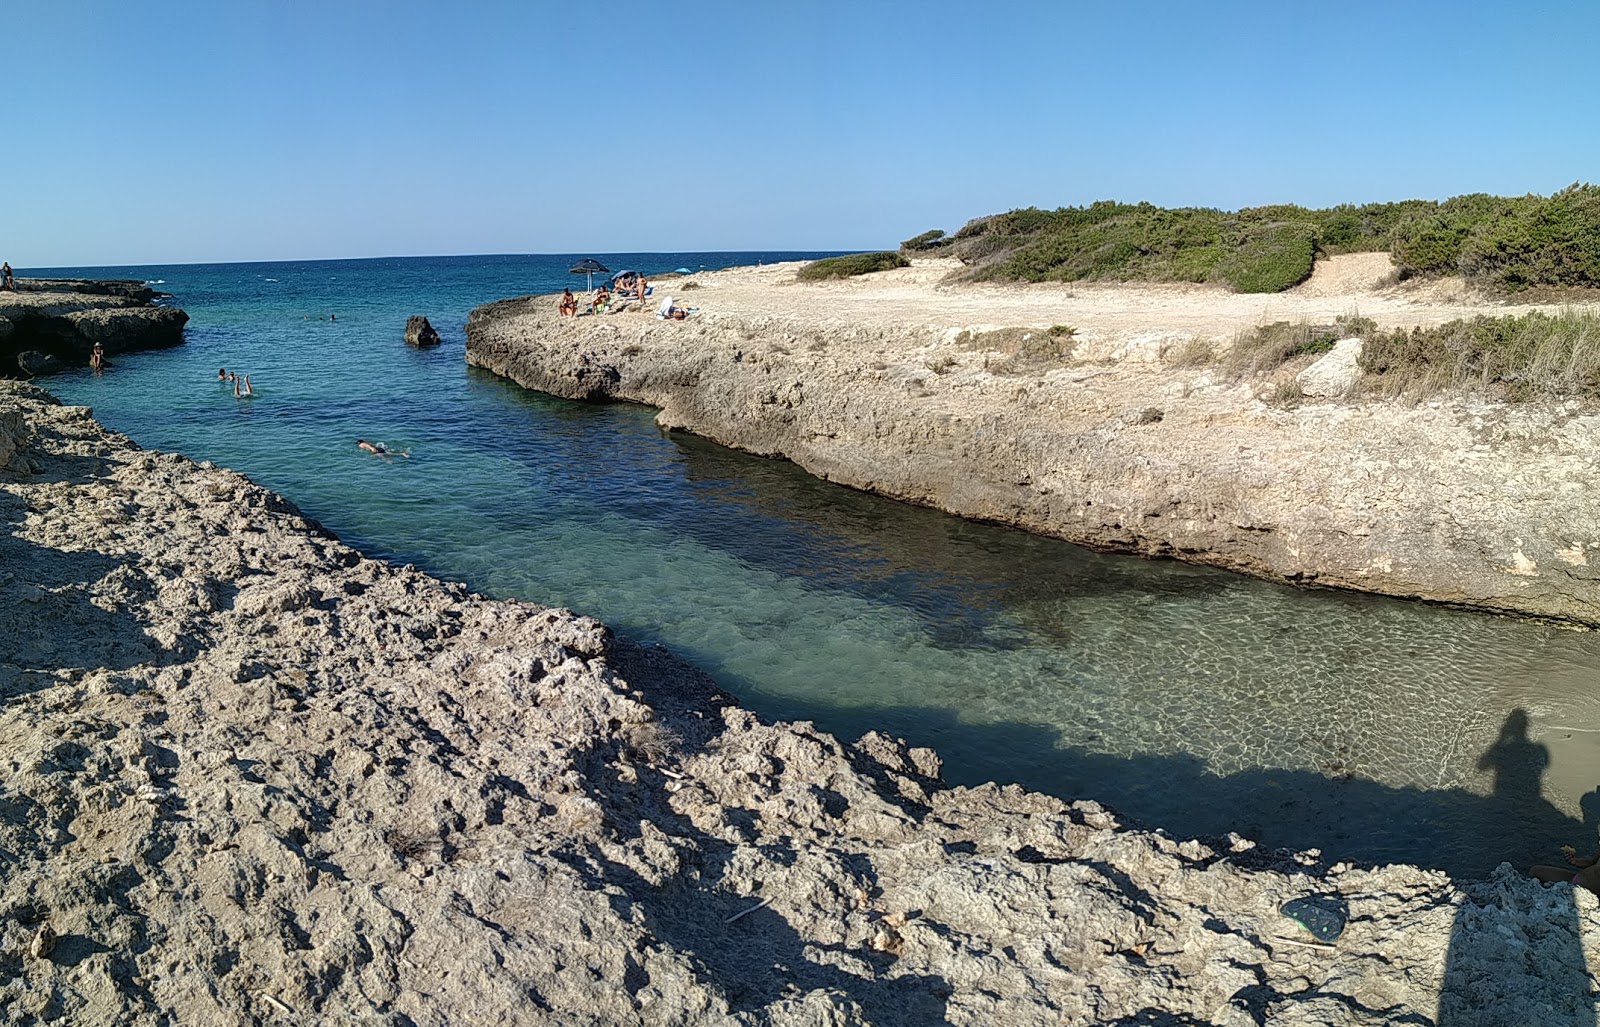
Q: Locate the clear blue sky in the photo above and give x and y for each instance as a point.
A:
(249, 130)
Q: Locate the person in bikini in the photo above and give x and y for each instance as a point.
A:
(569, 304)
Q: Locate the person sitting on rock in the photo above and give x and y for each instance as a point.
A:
(569, 304)
(1587, 875)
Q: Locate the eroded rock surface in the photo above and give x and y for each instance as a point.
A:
(251, 777)
(420, 332)
(1482, 504)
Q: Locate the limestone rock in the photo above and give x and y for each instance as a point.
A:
(253, 776)
(13, 440)
(1335, 374)
(63, 319)
(420, 333)
(1328, 493)
(34, 363)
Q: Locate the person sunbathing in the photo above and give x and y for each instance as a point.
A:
(569, 304)
(669, 309)
(602, 300)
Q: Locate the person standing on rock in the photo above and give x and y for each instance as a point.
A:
(6, 281)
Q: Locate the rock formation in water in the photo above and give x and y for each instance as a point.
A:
(48, 324)
(252, 777)
(420, 333)
(1490, 505)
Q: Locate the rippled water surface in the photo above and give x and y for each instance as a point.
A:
(1184, 697)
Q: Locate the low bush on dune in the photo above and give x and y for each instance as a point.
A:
(1269, 347)
(1504, 358)
(925, 241)
(1506, 243)
(851, 265)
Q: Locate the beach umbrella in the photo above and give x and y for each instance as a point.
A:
(591, 267)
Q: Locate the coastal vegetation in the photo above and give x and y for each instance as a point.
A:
(1509, 358)
(1498, 242)
(852, 264)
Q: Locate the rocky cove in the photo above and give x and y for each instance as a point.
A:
(931, 394)
(255, 777)
(50, 323)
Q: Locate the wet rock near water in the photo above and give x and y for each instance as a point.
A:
(254, 777)
(420, 333)
(48, 325)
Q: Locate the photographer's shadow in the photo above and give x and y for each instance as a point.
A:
(1516, 949)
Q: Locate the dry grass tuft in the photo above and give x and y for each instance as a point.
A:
(1507, 358)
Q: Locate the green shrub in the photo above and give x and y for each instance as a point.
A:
(1554, 241)
(851, 265)
(1504, 242)
(1270, 258)
(926, 241)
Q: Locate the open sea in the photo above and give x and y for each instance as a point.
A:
(1185, 698)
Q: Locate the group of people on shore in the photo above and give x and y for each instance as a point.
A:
(241, 383)
(602, 298)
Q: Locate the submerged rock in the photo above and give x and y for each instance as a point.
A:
(420, 333)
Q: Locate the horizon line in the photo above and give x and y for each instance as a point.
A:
(425, 256)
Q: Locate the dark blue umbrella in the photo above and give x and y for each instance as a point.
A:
(591, 267)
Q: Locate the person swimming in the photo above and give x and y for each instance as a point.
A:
(380, 449)
(248, 392)
(222, 374)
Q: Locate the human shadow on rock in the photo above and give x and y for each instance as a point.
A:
(1516, 950)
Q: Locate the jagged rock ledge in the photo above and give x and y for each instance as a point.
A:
(49, 324)
(253, 777)
(877, 385)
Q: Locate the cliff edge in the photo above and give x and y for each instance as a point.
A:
(49, 324)
(965, 398)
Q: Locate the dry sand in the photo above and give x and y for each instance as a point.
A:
(1103, 313)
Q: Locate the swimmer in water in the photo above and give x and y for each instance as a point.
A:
(380, 449)
(222, 374)
(248, 392)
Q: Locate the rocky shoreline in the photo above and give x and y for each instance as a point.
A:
(254, 777)
(50, 324)
(891, 387)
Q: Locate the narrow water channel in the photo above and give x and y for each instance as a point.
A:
(1185, 698)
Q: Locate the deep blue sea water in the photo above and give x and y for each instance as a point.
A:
(1187, 698)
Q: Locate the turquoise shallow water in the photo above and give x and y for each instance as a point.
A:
(1185, 697)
